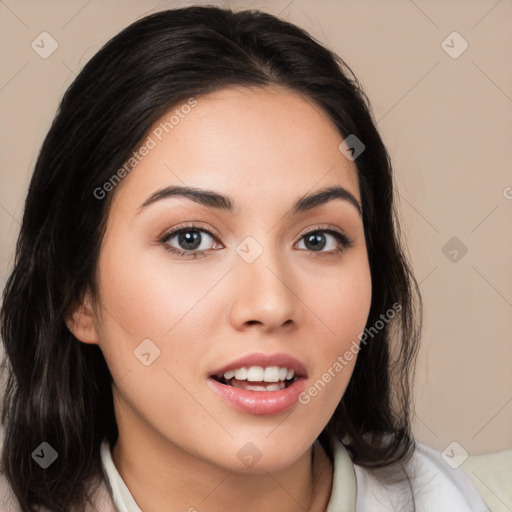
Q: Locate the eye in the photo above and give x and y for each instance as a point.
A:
(194, 241)
(316, 241)
(191, 240)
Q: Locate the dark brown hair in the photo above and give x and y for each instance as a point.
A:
(58, 390)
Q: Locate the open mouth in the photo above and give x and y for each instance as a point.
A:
(258, 378)
(259, 384)
(255, 385)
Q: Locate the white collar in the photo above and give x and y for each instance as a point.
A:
(121, 495)
(343, 494)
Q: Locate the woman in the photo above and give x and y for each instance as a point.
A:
(210, 309)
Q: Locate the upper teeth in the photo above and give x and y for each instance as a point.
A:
(259, 374)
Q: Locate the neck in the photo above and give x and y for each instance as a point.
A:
(163, 477)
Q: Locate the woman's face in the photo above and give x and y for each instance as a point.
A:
(258, 292)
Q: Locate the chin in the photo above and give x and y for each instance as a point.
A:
(261, 454)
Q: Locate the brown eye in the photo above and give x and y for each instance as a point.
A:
(189, 240)
(316, 241)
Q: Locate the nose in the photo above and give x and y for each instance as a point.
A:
(265, 293)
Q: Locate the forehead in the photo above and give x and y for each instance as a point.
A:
(245, 142)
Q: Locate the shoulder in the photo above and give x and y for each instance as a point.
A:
(429, 484)
(98, 490)
(438, 484)
(8, 502)
(100, 497)
(492, 475)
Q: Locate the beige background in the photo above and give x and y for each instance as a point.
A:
(447, 124)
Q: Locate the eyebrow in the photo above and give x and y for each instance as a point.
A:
(218, 201)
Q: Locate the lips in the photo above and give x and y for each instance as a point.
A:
(264, 360)
(259, 398)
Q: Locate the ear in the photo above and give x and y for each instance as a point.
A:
(81, 320)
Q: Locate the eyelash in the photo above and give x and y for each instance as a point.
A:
(344, 241)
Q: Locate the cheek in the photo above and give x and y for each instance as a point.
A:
(145, 297)
(147, 294)
(344, 302)
(343, 307)
(353, 307)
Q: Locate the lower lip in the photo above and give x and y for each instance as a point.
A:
(260, 402)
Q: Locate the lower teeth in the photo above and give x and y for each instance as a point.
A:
(252, 387)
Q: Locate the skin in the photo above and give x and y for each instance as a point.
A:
(178, 441)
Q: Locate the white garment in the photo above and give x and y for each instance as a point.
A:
(436, 487)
